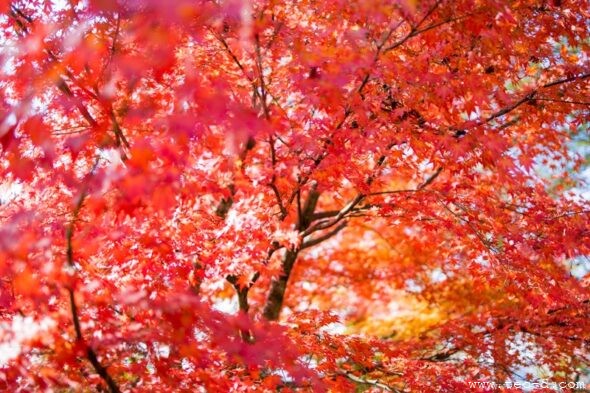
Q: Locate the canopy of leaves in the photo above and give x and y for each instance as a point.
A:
(292, 195)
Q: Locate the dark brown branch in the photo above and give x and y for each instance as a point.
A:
(242, 292)
(318, 160)
(226, 203)
(322, 238)
(101, 370)
(261, 96)
(372, 382)
(351, 206)
(332, 213)
(306, 215)
(415, 31)
(514, 325)
(583, 303)
(117, 130)
(306, 212)
(529, 97)
(275, 34)
(441, 356)
(112, 51)
(347, 112)
(568, 214)
(116, 36)
(324, 214)
(237, 62)
(90, 353)
(430, 179)
(339, 216)
(275, 190)
(274, 302)
(61, 82)
(423, 185)
(509, 108)
(563, 101)
(261, 78)
(470, 225)
(566, 80)
(21, 14)
(230, 53)
(276, 296)
(62, 85)
(429, 12)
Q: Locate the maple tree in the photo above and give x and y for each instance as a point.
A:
(292, 196)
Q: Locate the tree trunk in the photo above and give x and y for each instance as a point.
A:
(274, 303)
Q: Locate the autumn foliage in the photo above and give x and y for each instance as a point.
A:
(292, 195)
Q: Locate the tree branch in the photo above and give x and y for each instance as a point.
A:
(420, 187)
(90, 353)
(350, 206)
(562, 101)
(509, 108)
(261, 77)
(469, 224)
(365, 80)
(275, 190)
(242, 293)
(339, 216)
(415, 31)
(529, 97)
(326, 236)
(373, 382)
(274, 302)
(430, 179)
(566, 80)
(276, 296)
